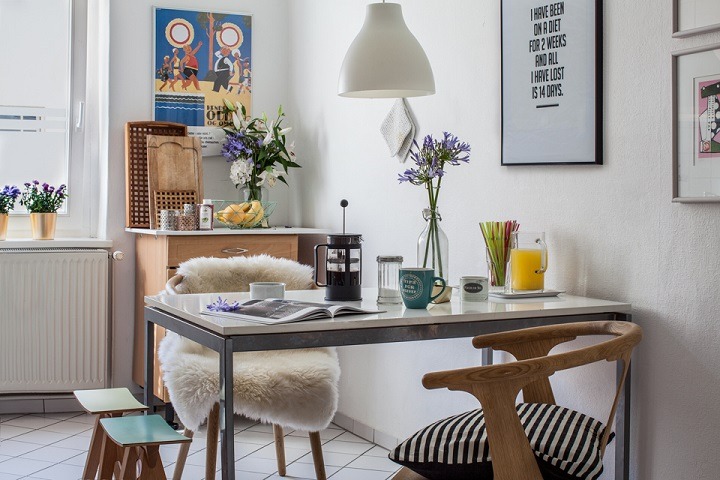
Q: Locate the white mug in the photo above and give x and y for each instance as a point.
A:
(263, 290)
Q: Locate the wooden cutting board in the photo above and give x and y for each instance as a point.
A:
(175, 174)
(137, 198)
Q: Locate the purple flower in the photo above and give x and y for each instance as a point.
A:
(8, 195)
(222, 306)
(42, 198)
(431, 158)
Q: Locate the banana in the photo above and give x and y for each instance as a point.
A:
(255, 214)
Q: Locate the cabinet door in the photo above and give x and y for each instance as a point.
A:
(182, 248)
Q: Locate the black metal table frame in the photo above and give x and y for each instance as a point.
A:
(226, 345)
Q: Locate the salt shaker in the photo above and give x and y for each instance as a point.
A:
(389, 279)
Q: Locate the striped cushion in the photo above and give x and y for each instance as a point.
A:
(566, 444)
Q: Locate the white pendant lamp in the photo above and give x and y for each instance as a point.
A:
(385, 60)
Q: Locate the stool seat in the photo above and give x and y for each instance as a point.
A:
(139, 430)
(109, 400)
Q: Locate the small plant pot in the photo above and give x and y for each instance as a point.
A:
(43, 225)
(3, 225)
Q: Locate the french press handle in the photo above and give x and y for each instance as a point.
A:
(315, 274)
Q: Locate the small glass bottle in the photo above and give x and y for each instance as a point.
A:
(389, 279)
(205, 215)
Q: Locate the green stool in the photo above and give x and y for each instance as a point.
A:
(140, 437)
(104, 403)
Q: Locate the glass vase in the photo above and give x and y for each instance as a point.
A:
(250, 192)
(433, 246)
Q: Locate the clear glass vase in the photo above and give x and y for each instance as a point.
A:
(250, 192)
(433, 246)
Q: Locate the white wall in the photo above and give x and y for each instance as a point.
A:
(612, 229)
(130, 99)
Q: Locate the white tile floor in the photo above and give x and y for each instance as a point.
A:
(54, 446)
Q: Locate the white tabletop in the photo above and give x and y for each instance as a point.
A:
(189, 307)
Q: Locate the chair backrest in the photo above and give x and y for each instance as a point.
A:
(208, 275)
(534, 366)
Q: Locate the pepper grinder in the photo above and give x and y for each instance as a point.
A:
(343, 265)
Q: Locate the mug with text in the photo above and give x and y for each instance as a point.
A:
(416, 285)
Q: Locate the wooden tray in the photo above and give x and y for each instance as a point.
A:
(175, 173)
(137, 199)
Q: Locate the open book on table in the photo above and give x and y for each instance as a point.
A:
(274, 311)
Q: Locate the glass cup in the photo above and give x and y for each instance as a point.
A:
(527, 263)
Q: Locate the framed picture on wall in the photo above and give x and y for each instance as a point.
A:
(201, 58)
(691, 17)
(696, 124)
(551, 82)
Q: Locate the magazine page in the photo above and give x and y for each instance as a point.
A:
(275, 311)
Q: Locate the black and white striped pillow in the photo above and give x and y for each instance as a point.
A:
(566, 444)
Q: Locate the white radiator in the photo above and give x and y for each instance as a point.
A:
(53, 320)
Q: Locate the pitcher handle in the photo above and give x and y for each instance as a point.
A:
(543, 255)
(444, 285)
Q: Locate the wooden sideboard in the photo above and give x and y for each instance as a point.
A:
(158, 254)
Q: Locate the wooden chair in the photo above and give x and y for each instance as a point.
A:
(204, 275)
(139, 439)
(497, 387)
(104, 403)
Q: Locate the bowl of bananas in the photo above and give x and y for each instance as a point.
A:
(252, 214)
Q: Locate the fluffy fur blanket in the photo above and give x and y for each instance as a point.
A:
(204, 275)
(292, 388)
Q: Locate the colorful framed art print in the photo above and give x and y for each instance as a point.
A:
(696, 124)
(201, 58)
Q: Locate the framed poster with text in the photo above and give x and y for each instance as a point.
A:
(201, 58)
(551, 82)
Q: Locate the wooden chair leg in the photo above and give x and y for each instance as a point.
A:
(108, 456)
(94, 453)
(152, 467)
(128, 468)
(212, 442)
(316, 447)
(280, 450)
(182, 456)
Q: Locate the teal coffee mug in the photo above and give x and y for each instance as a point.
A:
(416, 285)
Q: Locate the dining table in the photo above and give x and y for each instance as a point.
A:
(183, 314)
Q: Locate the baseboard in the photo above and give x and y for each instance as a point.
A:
(364, 431)
(51, 403)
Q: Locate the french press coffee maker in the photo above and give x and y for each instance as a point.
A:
(343, 265)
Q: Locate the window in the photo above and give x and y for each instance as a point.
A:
(42, 102)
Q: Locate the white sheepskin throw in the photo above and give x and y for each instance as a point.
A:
(293, 388)
(206, 275)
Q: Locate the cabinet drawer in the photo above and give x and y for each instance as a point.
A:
(182, 248)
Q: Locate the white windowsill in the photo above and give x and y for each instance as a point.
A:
(57, 243)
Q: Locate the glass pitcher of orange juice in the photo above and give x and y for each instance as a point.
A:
(528, 262)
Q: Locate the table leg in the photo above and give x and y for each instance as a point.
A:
(487, 356)
(149, 363)
(227, 423)
(622, 427)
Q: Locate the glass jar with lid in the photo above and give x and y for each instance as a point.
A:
(389, 279)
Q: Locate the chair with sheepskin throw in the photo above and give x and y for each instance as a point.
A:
(295, 389)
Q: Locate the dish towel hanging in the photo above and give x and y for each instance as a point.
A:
(398, 129)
